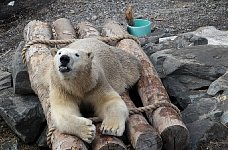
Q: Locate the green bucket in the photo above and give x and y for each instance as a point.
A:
(142, 27)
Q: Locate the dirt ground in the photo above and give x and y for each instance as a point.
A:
(176, 16)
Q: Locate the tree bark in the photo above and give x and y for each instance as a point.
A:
(36, 55)
(167, 121)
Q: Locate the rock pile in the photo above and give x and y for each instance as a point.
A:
(193, 69)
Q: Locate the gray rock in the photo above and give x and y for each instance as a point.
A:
(221, 84)
(224, 118)
(148, 39)
(197, 130)
(177, 92)
(193, 83)
(5, 80)
(205, 134)
(189, 39)
(10, 145)
(192, 61)
(21, 82)
(163, 32)
(187, 73)
(23, 114)
(42, 140)
(151, 48)
(213, 35)
(180, 94)
(203, 109)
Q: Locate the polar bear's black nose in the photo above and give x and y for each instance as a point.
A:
(64, 59)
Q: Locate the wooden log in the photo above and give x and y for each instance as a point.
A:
(63, 29)
(106, 142)
(36, 55)
(86, 30)
(101, 142)
(167, 121)
(140, 133)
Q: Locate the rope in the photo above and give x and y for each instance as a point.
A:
(150, 108)
(68, 41)
(40, 41)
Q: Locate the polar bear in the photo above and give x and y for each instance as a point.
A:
(91, 72)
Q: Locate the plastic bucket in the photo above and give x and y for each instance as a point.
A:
(142, 27)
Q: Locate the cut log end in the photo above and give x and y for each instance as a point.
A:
(63, 142)
(142, 135)
(106, 142)
(149, 141)
(175, 137)
(109, 145)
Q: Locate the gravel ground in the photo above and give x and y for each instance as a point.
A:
(177, 16)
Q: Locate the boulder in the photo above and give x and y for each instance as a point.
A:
(219, 85)
(42, 140)
(224, 118)
(186, 73)
(206, 134)
(192, 61)
(213, 35)
(180, 94)
(202, 109)
(206, 122)
(23, 114)
(189, 39)
(21, 82)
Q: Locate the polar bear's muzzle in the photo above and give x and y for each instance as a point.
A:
(64, 60)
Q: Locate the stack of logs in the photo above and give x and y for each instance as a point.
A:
(165, 130)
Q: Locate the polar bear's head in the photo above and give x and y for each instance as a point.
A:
(70, 62)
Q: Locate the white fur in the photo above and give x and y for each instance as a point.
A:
(97, 77)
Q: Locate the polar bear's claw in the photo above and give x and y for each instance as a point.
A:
(113, 127)
(88, 131)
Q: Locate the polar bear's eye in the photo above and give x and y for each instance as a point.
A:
(59, 53)
(77, 54)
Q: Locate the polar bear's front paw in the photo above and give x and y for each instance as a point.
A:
(88, 130)
(113, 126)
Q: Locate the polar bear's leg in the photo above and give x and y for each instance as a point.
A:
(67, 118)
(112, 109)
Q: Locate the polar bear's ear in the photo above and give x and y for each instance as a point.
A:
(53, 51)
(90, 55)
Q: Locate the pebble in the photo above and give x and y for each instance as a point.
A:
(94, 18)
(72, 12)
